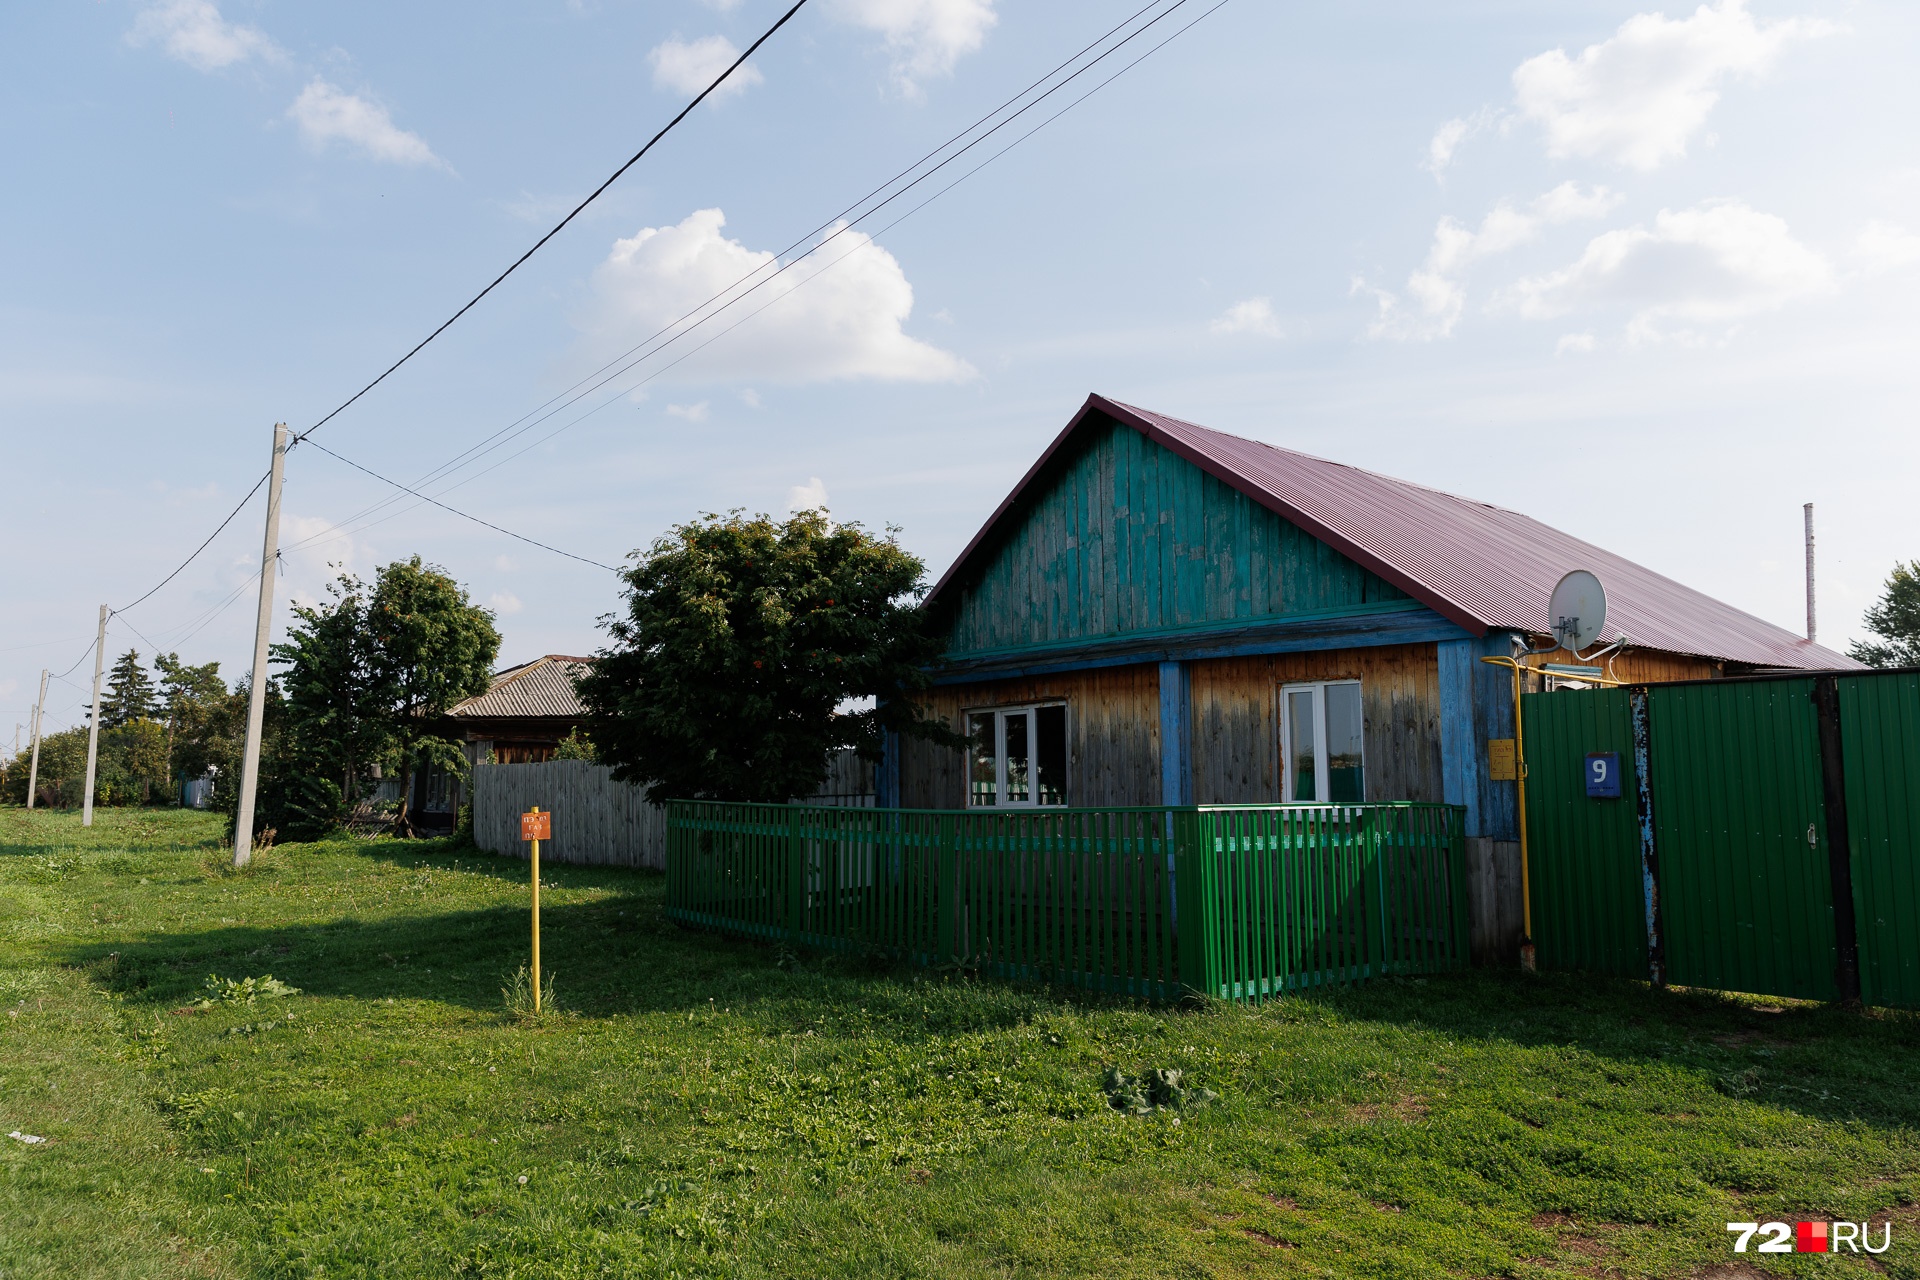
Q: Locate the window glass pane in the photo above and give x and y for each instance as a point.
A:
(1301, 734)
(1050, 748)
(1019, 789)
(1344, 781)
(980, 760)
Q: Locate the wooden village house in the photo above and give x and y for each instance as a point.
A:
(1160, 613)
(521, 719)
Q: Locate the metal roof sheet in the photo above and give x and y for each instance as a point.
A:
(542, 688)
(1482, 566)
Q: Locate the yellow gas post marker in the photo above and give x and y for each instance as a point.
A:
(536, 826)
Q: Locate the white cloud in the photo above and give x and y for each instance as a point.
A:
(688, 66)
(837, 315)
(504, 602)
(724, 6)
(1637, 98)
(504, 564)
(1254, 315)
(924, 38)
(1710, 265)
(1436, 290)
(749, 397)
(194, 32)
(313, 552)
(1447, 138)
(810, 496)
(1577, 343)
(688, 412)
(1882, 246)
(327, 114)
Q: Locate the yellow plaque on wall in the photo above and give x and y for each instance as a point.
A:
(1500, 759)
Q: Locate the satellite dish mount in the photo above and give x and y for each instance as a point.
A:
(1578, 611)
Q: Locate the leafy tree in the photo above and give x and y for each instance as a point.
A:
(576, 746)
(435, 648)
(748, 654)
(1896, 620)
(197, 708)
(339, 694)
(130, 694)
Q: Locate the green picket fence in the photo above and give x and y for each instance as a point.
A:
(1242, 902)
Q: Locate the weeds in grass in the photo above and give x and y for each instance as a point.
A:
(1157, 1089)
(518, 994)
(241, 991)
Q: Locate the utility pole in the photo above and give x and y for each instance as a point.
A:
(39, 711)
(1811, 629)
(262, 627)
(93, 718)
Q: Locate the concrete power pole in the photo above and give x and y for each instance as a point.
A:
(1812, 631)
(262, 627)
(93, 718)
(39, 713)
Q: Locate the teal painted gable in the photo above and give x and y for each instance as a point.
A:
(1124, 537)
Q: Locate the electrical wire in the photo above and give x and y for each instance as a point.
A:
(558, 227)
(572, 399)
(202, 547)
(573, 396)
(844, 215)
(462, 514)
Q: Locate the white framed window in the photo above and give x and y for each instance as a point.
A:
(1322, 734)
(1017, 757)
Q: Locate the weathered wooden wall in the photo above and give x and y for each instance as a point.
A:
(1236, 725)
(599, 821)
(1126, 536)
(595, 819)
(1113, 726)
(1113, 736)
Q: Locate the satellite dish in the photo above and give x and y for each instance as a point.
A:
(1578, 610)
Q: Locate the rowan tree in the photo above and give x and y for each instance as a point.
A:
(750, 650)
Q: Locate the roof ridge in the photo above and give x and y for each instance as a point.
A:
(1331, 462)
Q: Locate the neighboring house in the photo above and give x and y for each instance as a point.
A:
(1160, 613)
(520, 719)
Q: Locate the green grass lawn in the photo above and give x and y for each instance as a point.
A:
(705, 1107)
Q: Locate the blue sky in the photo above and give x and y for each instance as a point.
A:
(1645, 273)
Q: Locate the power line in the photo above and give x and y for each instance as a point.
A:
(595, 195)
(197, 550)
(462, 514)
(566, 399)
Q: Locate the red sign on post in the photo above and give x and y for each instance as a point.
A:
(536, 826)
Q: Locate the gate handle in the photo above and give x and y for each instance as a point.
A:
(1813, 838)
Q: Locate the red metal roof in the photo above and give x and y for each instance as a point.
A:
(1481, 566)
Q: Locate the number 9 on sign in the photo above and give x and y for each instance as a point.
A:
(1603, 775)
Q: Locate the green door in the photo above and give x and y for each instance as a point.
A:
(1740, 826)
(1880, 737)
(1583, 852)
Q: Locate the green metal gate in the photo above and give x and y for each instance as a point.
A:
(1880, 735)
(1740, 827)
(1766, 838)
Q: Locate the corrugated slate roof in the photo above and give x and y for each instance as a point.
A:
(1479, 565)
(543, 687)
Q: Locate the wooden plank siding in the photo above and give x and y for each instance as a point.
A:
(1236, 725)
(1638, 666)
(1125, 536)
(1113, 727)
(1113, 736)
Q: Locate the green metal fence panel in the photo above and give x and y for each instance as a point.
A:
(1880, 742)
(1589, 893)
(1241, 902)
(1740, 824)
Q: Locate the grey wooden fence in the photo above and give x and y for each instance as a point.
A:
(595, 819)
(600, 821)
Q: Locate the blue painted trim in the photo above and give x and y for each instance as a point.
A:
(1461, 762)
(1191, 631)
(1176, 734)
(1498, 802)
(886, 778)
(1294, 635)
